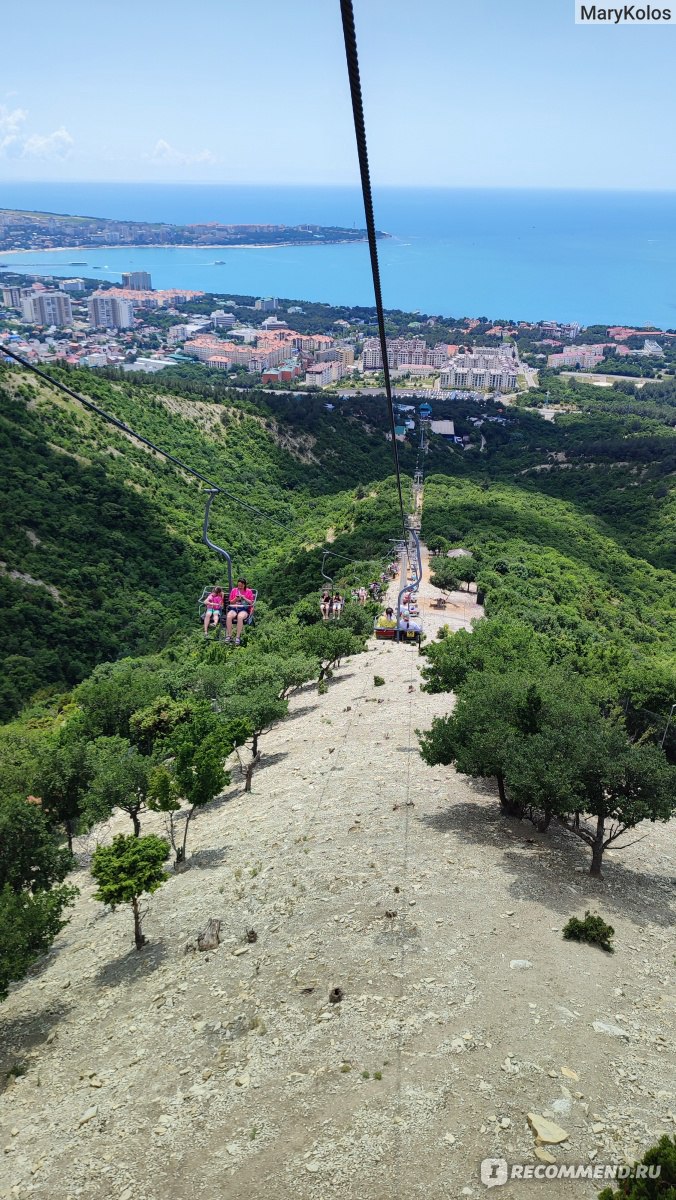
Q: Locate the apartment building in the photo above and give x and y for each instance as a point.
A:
(403, 352)
(47, 308)
(138, 281)
(577, 356)
(110, 312)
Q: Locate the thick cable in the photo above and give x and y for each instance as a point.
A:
(101, 412)
(350, 36)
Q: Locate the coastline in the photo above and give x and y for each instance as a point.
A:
(185, 246)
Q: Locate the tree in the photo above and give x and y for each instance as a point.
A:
(621, 785)
(62, 779)
(259, 706)
(120, 779)
(29, 922)
(30, 856)
(329, 643)
(128, 869)
(476, 737)
(445, 575)
(494, 645)
(195, 774)
(32, 893)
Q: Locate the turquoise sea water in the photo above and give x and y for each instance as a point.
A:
(530, 255)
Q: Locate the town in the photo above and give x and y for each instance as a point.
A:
(264, 342)
(48, 231)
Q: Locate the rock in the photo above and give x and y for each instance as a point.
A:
(448, 1137)
(233, 1148)
(312, 1167)
(562, 1107)
(505, 1122)
(544, 1155)
(89, 1114)
(243, 1080)
(520, 964)
(569, 1074)
(611, 1030)
(240, 950)
(598, 1127)
(545, 1130)
(126, 1194)
(209, 937)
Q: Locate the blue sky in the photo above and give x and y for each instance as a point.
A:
(496, 93)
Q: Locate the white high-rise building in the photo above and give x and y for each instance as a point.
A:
(47, 308)
(110, 312)
(138, 281)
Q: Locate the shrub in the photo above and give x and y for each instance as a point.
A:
(662, 1187)
(593, 929)
(378, 681)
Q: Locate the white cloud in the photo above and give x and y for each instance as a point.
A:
(15, 142)
(11, 121)
(51, 145)
(164, 154)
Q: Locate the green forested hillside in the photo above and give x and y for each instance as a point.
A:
(100, 539)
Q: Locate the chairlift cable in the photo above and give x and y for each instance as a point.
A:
(350, 36)
(101, 412)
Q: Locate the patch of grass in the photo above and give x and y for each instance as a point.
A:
(378, 681)
(345, 1068)
(366, 1074)
(377, 1074)
(593, 929)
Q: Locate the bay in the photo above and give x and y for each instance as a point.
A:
(592, 257)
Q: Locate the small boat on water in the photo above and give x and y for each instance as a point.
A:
(220, 262)
(77, 264)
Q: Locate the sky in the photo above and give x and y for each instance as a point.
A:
(467, 93)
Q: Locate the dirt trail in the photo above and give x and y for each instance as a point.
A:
(172, 1076)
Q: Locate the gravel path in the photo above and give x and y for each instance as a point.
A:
(169, 1075)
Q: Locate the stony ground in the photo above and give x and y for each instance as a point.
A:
(168, 1075)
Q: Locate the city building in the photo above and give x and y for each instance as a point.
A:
(74, 286)
(403, 352)
(324, 373)
(577, 356)
(47, 308)
(223, 320)
(138, 281)
(268, 304)
(110, 312)
(11, 296)
(445, 429)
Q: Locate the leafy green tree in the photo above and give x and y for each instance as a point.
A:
(29, 922)
(328, 643)
(32, 893)
(477, 735)
(622, 785)
(120, 779)
(63, 776)
(129, 868)
(195, 775)
(493, 645)
(445, 575)
(30, 856)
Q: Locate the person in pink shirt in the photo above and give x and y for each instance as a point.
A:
(214, 604)
(240, 604)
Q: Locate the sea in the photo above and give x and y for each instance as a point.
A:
(589, 256)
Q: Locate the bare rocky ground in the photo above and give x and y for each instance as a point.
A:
(166, 1075)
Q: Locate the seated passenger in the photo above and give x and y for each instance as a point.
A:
(337, 603)
(325, 606)
(240, 605)
(213, 608)
(406, 623)
(386, 620)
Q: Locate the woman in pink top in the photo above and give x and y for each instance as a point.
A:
(213, 608)
(240, 604)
